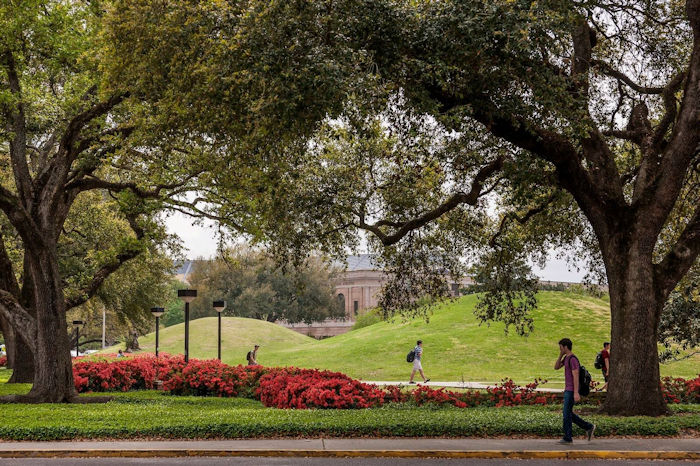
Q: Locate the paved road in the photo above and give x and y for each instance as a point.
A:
(315, 462)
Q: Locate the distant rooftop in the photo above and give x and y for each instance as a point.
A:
(361, 262)
(182, 269)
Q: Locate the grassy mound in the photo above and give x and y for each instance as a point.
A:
(456, 346)
(238, 335)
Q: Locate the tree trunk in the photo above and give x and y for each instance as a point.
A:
(8, 334)
(23, 362)
(634, 386)
(53, 369)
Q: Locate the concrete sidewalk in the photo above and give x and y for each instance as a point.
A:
(472, 385)
(684, 449)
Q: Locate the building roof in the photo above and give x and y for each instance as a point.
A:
(361, 262)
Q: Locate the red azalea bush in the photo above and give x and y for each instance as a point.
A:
(678, 390)
(293, 387)
(504, 394)
(122, 374)
(212, 377)
(3, 361)
(311, 388)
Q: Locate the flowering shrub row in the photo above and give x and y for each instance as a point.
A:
(507, 393)
(298, 388)
(3, 361)
(677, 390)
(289, 387)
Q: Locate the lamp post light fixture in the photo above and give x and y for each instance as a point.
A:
(157, 312)
(219, 306)
(77, 324)
(187, 296)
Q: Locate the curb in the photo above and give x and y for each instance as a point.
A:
(485, 454)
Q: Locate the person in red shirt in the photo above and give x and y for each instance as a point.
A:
(605, 354)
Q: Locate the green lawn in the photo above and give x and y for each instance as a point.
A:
(456, 346)
(148, 414)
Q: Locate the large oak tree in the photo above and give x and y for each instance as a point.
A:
(64, 134)
(582, 117)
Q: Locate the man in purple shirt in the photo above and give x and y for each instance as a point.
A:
(571, 366)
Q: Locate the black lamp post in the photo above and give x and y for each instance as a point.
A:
(77, 324)
(187, 296)
(157, 312)
(219, 306)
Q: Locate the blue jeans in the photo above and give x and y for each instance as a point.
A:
(569, 416)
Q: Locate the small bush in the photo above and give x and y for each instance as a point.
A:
(371, 317)
(123, 374)
(3, 361)
(212, 377)
(311, 388)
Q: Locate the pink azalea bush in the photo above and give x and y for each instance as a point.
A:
(3, 361)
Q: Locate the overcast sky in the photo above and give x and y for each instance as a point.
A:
(201, 241)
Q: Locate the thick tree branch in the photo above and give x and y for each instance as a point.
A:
(608, 70)
(681, 257)
(17, 128)
(548, 145)
(670, 104)
(404, 228)
(596, 151)
(90, 183)
(84, 144)
(53, 196)
(67, 144)
(8, 281)
(108, 269)
(656, 198)
(20, 320)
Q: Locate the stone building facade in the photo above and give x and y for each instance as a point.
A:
(358, 288)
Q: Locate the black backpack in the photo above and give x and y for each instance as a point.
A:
(411, 356)
(599, 360)
(584, 380)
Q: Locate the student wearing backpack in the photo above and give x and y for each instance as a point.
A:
(605, 366)
(417, 366)
(252, 356)
(572, 369)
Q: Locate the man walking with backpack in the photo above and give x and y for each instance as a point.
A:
(605, 363)
(572, 367)
(417, 366)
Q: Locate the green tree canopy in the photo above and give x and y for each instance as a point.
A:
(450, 129)
(253, 285)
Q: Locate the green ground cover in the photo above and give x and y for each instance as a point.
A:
(456, 346)
(148, 414)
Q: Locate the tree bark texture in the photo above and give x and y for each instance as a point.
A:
(53, 381)
(22, 363)
(8, 334)
(634, 385)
